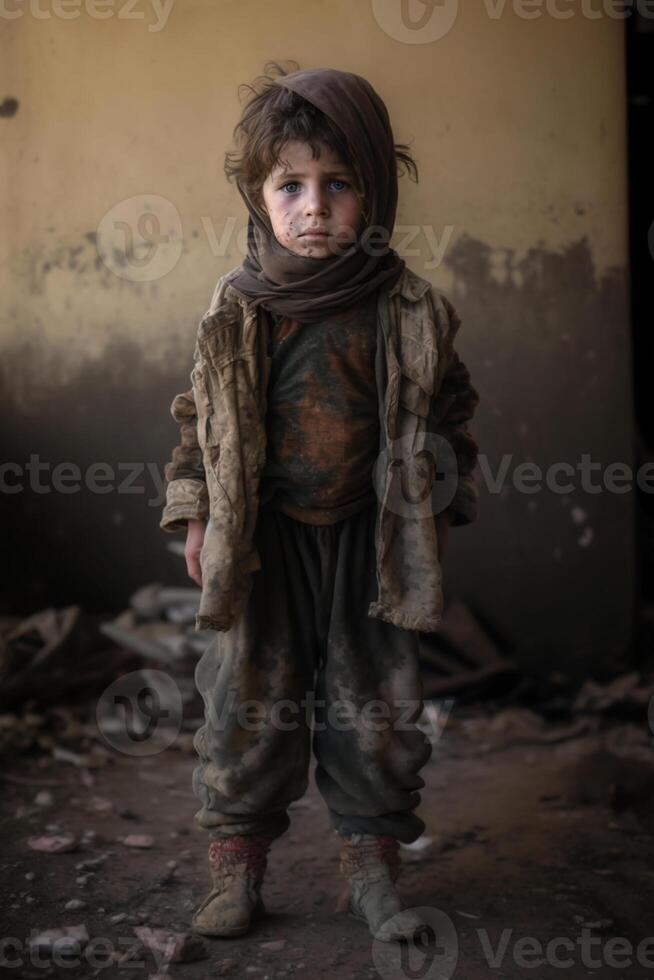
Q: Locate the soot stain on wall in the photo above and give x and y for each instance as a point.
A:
(36, 263)
(549, 345)
(545, 339)
(8, 107)
(89, 545)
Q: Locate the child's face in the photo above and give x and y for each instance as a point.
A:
(302, 195)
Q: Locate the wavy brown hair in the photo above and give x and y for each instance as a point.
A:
(272, 116)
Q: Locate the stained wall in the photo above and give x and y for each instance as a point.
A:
(518, 127)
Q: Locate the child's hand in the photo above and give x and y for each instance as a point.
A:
(192, 549)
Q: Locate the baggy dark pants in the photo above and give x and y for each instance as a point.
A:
(305, 658)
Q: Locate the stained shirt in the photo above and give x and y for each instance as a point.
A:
(322, 420)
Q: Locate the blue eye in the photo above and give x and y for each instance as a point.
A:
(294, 184)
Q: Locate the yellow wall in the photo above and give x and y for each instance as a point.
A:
(517, 126)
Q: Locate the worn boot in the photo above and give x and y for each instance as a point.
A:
(238, 864)
(372, 865)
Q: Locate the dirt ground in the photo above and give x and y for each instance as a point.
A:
(526, 844)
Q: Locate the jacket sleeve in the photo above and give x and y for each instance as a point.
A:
(454, 405)
(186, 485)
(187, 497)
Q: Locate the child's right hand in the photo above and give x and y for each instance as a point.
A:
(192, 549)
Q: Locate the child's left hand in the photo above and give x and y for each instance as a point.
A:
(194, 541)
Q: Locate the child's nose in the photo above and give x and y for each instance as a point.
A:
(316, 202)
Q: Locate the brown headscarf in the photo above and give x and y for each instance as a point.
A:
(307, 288)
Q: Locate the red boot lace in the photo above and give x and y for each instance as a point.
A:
(358, 854)
(250, 849)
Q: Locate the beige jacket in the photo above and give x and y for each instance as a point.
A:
(426, 461)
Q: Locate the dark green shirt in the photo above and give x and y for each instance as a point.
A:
(322, 418)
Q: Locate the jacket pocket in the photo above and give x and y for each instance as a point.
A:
(418, 364)
(414, 397)
(418, 353)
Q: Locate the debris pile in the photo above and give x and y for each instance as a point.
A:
(462, 658)
(58, 662)
(55, 656)
(159, 625)
(58, 666)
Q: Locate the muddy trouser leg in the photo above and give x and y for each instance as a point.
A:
(369, 750)
(256, 680)
(306, 626)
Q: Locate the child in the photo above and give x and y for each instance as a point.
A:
(320, 366)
